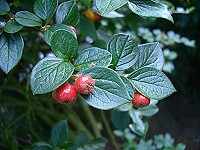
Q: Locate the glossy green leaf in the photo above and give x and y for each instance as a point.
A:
(88, 28)
(11, 48)
(49, 32)
(150, 9)
(109, 91)
(45, 9)
(106, 6)
(124, 51)
(50, 73)
(149, 110)
(59, 134)
(4, 7)
(1, 31)
(150, 55)
(120, 119)
(129, 86)
(28, 19)
(152, 83)
(64, 44)
(92, 57)
(138, 126)
(12, 27)
(41, 146)
(67, 13)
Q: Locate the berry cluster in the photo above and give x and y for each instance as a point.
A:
(67, 93)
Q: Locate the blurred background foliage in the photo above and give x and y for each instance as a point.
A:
(25, 119)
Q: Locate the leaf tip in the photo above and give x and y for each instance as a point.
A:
(33, 91)
(174, 90)
(171, 20)
(6, 71)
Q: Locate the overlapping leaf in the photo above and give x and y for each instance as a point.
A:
(28, 19)
(4, 7)
(138, 126)
(152, 83)
(11, 47)
(149, 110)
(150, 9)
(109, 91)
(67, 13)
(49, 73)
(129, 86)
(124, 51)
(150, 55)
(64, 44)
(45, 9)
(106, 6)
(49, 32)
(12, 27)
(92, 57)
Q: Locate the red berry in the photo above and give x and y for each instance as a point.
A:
(71, 27)
(84, 84)
(97, 17)
(140, 100)
(65, 94)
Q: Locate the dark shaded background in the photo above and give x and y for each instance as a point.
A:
(180, 113)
